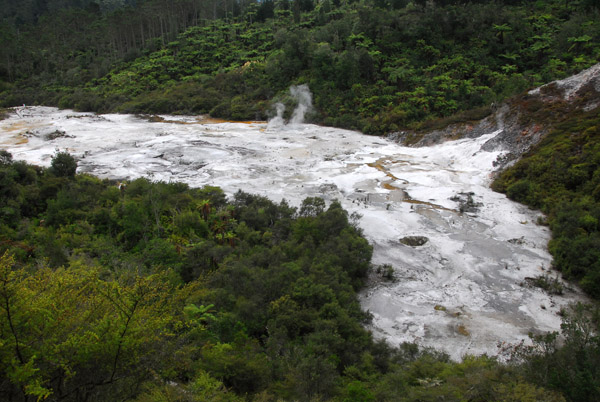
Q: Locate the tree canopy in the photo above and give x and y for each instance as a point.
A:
(155, 291)
(376, 66)
(160, 292)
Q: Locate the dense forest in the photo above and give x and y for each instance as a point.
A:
(377, 66)
(159, 292)
(151, 291)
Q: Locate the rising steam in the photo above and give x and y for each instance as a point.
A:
(277, 121)
(301, 94)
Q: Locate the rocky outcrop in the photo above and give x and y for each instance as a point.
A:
(516, 136)
(524, 120)
(581, 88)
(451, 132)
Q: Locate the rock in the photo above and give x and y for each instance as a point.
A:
(573, 87)
(327, 188)
(414, 241)
(522, 121)
(56, 134)
(466, 204)
(520, 241)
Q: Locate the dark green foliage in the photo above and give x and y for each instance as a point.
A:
(246, 299)
(561, 178)
(95, 294)
(252, 266)
(570, 364)
(373, 66)
(551, 285)
(63, 165)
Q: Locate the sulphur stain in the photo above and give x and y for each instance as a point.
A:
(461, 329)
(198, 120)
(380, 165)
(17, 133)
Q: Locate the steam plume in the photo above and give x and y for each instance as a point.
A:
(277, 121)
(302, 95)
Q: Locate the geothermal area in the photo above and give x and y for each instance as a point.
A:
(453, 260)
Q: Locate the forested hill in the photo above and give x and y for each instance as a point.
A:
(377, 66)
(159, 292)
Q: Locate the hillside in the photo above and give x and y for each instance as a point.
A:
(551, 138)
(560, 172)
(376, 67)
(153, 291)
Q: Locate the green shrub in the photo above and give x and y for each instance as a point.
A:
(63, 164)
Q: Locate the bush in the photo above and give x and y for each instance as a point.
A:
(519, 191)
(63, 165)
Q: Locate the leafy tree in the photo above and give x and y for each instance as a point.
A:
(569, 364)
(232, 59)
(68, 335)
(93, 304)
(5, 157)
(63, 164)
